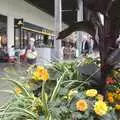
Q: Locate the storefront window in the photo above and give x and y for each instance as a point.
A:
(42, 36)
(18, 34)
(17, 38)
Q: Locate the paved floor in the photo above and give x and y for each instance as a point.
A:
(4, 84)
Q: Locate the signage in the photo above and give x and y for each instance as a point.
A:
(37, 28)
(18, 22)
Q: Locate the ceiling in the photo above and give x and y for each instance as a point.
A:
(69, 17)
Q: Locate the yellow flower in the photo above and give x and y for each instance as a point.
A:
(117, 95)
(40, 74)
(118, 91)
(72, 93)
(36, 75)
(91, 93)
(118, 98)
(18, 91)
(117, 106)
(81, 105)
(110, 97)
(100, 97)
(100, 108)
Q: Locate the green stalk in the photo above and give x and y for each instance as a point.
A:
(44, 100)
(57, 87)
(49, 117)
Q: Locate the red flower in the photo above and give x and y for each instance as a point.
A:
(110, 80)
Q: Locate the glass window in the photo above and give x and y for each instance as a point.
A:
(23, 35)
(17, 38)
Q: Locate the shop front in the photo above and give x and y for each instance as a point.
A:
(44, 38)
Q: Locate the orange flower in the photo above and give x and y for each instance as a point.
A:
(110, 97)
(40, 74)
(81, 105)
(18, 91)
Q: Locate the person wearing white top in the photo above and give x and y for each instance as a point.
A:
(12, 52)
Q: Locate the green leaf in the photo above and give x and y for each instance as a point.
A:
(57, 87)
(19, 85)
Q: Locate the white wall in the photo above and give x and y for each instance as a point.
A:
(20, 8)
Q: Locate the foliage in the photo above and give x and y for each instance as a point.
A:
(113, 89)
(22, 105)
(73, 77)
(54, 93)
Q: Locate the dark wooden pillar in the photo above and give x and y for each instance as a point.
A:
(107, 46)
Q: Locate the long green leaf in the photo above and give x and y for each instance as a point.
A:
(56, 89)
(18, 84)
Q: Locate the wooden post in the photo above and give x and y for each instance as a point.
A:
(107, 47)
